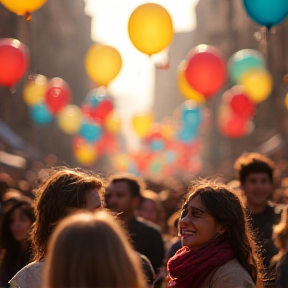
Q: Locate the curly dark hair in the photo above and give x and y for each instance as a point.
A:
(249, 163)
(59, 195)
(227, 209)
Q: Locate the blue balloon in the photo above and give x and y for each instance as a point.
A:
(94, 97)
(157, 145)
(191, 116)
(90, 132)
(242, 61)
(40, 114)
(170, 156)
(187, 134)
(267, 12)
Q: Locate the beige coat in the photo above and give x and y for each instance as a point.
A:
(230, 275)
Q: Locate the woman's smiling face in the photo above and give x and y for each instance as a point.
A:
(198, 226)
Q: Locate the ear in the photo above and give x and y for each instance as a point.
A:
(221, 229)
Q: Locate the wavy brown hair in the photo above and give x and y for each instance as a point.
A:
(59, 194)
(227, 209)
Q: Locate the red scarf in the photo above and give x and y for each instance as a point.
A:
(189, 269)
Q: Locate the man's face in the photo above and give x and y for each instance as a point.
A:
(118, 197)
(257, 188)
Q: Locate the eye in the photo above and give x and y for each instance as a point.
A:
(196, 214)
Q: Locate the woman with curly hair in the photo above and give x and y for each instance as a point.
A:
(218, 250)
(63, 192)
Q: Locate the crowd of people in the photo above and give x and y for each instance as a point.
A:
(79, 230)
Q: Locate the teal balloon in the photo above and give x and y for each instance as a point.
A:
(267, 12)
(187, 134)
(94, 97)
(242, 61)
(91, 132)
(157, 145)
(40, 114)
(191, 116)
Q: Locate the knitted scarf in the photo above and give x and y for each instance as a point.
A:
(189, 269)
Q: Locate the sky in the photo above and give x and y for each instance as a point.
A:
(135, 82)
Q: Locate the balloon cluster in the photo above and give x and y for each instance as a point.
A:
(173, 142)
(254, 84)
(202, 74)
(47, 99)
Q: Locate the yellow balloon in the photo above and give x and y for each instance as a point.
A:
(150, 28)
(22, 7)
(120, 162)
(35, 89)
(142, 124)
(113, 123)
(86, 154)
(103, 63)
(69, 119)
(286, 101)
(183, 86)
(258, 84)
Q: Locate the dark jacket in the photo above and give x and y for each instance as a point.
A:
(147, 240)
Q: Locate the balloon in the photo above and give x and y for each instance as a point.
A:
(57, 95)
(157, 145)
(35, 89)
(206, 70)
(187, 134)
(258, 84)
(23, 7)
(113, 123)
(239, 102)
(266, 12)
(142, 124)
(86, 154)
(40, 114)
(95, 96)
(286, 100)
(13, 61)
(191, 114)
(234, 127)
(103, 63)
(150, 28)
(90, 131)
(242, 61)
(69, 119)
(183, 86)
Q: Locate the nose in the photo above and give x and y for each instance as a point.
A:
(185, 221)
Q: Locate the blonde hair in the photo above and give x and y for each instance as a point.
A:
(91, 250)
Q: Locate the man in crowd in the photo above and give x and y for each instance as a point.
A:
(123, 196)
(255, 173)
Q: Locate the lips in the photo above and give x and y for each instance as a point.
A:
(187, 233)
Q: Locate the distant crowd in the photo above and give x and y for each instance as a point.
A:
(79, 230)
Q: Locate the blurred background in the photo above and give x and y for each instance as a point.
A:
(58, 37)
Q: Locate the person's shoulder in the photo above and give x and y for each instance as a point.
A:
(28, 276)
(232, 273)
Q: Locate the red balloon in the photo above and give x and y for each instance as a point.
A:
(206, 70)
(57, 95)
(235, 127)
(101, 111)
(242, 105)
(13, 61)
